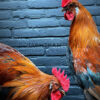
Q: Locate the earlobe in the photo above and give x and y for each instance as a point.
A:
(50, 86)
(77, 10)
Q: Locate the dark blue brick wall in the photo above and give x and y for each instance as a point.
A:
(38, 30)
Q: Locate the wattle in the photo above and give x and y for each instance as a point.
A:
(69, 15)
(56, 95)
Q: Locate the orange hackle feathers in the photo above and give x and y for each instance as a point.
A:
(84, 38)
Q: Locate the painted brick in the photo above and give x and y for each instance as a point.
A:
(43, 68)
(98, 2)
(64, 22)
(98, 28)
(44, 3)
(13, 5)
(44, 22)
(54, 12)
(98, 20)
(94, 10)
(47, 22)
(79, 97)
(5, 33)
(35, 42)
(29, 13)
(5, 15)
(38, 13)
(72, 80)
(13, 24)
(41, 32)
(75, 90)
(88, 2)
(32, 51)
(57, 51)
(50, 61)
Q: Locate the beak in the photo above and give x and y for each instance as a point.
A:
(62, 91)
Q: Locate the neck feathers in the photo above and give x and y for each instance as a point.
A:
(83, 29)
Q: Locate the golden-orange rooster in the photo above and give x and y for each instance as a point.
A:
(84, 41)
(28, 82)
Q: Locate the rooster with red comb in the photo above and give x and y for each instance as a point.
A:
(28, 82)
(84, 41)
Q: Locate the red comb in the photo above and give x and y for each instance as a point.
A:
(65, 83)
(65, 2)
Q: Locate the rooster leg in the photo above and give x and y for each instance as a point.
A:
(95, 92)
(88, 95)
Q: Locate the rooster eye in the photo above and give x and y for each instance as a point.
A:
(56, 84)
(66, 8)
(70, 7)
(73, 5)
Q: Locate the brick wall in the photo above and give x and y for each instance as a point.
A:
(38, 30)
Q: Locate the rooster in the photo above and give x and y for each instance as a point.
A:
(27, 81)
(84, 41)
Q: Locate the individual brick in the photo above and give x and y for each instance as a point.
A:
(75, 90)
(44, 3)
(94, 10)
(35, 42)
(71, 97)
(12, 5)
(88, 2)
(38, 13)
(98, 28)
(44, 22)
(98, 2)
(58, 51)
(13, 24)
(41, 32)
(48, 22)
(4, 33)
(5, 15)
(33, 51)
(98, 20)
(50, 61)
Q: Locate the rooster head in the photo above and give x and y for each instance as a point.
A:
(71, 8)
(57, 91)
